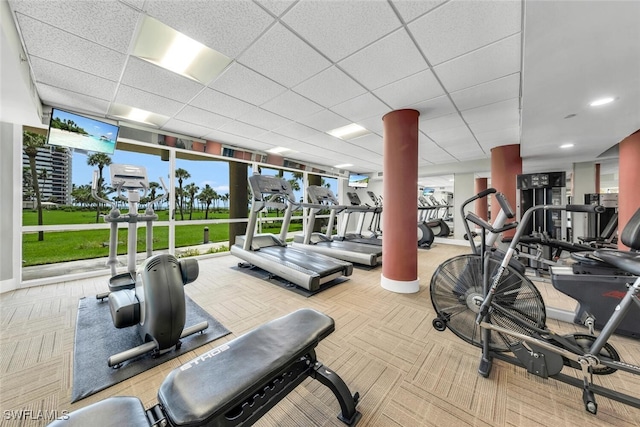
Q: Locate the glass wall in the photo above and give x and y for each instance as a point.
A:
(67, 234)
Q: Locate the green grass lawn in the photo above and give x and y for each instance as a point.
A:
(86, 244)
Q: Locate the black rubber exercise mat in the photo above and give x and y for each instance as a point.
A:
(97, 339)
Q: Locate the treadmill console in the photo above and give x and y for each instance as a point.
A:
(263, 184)
(320, 195)
(354, 199)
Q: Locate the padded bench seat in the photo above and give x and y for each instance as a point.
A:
(233, 384)
(219, 380)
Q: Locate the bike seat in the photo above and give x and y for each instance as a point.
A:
(628, 261)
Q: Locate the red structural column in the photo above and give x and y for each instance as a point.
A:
(400, 214)
(629, 180)
(597, 177)
(506, 165)
(481, 206)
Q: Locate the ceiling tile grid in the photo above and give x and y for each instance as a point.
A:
(247, 85)
(72, 101)
(330, 87)
(393, 58)
(340, 28)
(290, 104)
(459, 27)
(73, 80)
(220, 103)
(50, 43)
(302, 68)
(271, 54)
(93, 21)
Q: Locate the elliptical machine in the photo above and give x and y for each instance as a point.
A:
(151, 296)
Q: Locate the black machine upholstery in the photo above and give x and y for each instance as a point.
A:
(233, 384)
(113, 411)
(227, 375)
(631, 233)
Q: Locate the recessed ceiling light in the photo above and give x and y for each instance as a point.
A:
(568, 145)
(278, 150)
(601, 101)
(137, 115)
(349, 132)
(162, 45)
(342, 166)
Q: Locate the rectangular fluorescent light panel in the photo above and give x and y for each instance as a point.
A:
(136, 115)
(351, 131)
(346, 165)
(163, 46)
(278, 150)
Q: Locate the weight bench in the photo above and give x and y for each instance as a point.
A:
(235, 383)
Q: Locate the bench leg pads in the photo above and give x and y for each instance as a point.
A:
(326, 376)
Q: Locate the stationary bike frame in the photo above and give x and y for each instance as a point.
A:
(587, 360)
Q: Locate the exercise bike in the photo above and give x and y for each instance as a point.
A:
(488, 303)
(152, 295)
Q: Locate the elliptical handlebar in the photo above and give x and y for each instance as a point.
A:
(94, 191)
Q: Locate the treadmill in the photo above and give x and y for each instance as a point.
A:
(306, 269)
(359, 253)
(362, 210)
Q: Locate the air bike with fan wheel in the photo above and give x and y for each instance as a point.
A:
(150, 297)
(487, 302)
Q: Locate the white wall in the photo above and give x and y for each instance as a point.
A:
(463, 189)
(584, 182)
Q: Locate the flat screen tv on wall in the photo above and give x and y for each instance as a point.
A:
(75, 131)
(358, 181)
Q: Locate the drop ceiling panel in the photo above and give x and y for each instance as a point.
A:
(271, 54)
(242, 24)
(488, 63)
(382, 56)
(490, 117)
(295, 130)
(245, 84)
(373, 124)
(330, 87)
(339, 28)
(361, 107)
(435, 107)
(324, 121)
(452, 136)
(411, 9)
(371, 142)
(203, 117)
(72, 101)
(158, 80)
(220, 103)
(66, 78)
(263, 119)
(277, 7)
(507, 87)
(92, 21)
(242, 129)
(133, 97)
(459, 27)
(441, 123)
(186, 128)
(291, 105)
(496, 138)
(47, 42)
(278, 140)
(410, 90)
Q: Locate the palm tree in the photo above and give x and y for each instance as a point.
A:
(153, 188)
(225, 200)
(32, 142)
(191, 189)
(100, 160)
(181, 175)
(207, 195)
